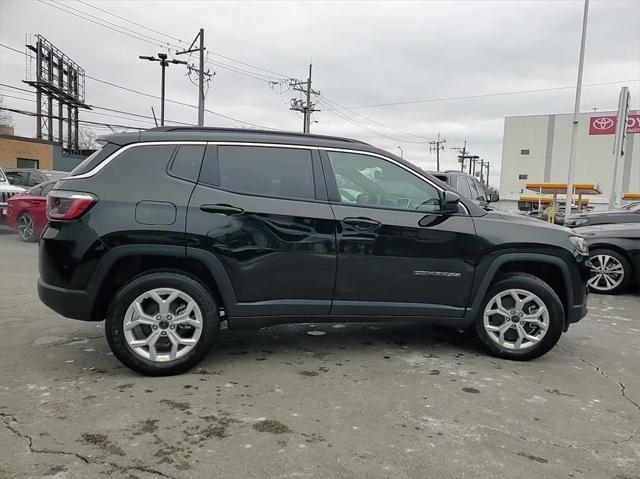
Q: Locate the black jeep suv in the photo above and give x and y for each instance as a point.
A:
(166, 231)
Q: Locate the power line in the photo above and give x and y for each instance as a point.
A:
(149, 95)
(154, 41)
(31, 113)
(96, 107)
(130, 21)
(63, 9)
(375, 121)
(483, 95)
(280, 75)
(364, 127)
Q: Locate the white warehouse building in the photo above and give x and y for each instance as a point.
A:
(536, 148)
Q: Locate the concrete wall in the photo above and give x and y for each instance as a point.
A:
(548, 138)
(14, 147)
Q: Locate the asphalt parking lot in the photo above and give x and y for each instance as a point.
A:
(315, 401)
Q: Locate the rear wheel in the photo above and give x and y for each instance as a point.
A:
(521, 318)
(162, 323)
(27, 228)
(610, 272)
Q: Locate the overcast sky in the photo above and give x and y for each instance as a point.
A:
(363, 53)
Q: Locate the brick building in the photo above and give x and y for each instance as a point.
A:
(22, 152)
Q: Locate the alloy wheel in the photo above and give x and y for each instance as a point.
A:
(163, 324)
(26, 228)
(516, 319)
(607, 273)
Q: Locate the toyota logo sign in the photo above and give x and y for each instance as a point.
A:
(606, 125)
(603, 123)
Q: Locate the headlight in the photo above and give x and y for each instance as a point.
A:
(579, 244)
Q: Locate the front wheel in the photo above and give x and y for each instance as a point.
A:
(521, 318)
(162, 323)
(610, 272)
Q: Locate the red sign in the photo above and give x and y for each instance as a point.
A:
(606, 125)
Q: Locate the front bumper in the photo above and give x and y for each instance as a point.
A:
(71, 303)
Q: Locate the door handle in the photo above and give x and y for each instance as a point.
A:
(361, 223)
(222, 209)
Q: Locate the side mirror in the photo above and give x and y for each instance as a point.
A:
(450, 201)
(494, 197)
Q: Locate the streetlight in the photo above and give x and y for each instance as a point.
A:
(401, 151)
(164, 63)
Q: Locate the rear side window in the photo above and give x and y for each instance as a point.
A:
(186, 162)
(93, 160)
(266, 171)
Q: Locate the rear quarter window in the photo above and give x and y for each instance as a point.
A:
(93, 160)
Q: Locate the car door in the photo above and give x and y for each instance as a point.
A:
(397, 253)
(262, 212)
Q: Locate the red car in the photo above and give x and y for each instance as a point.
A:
(27, 211)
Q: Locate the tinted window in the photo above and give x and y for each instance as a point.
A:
(280, 172)
(93, 160)
(18, 178)
(475, 194)
(186, 162)
(482, 196)
(35, 178)
(47, 188)
(35, 191)
(463, 187)
(371, 181)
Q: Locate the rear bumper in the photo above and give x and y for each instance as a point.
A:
(71, 303)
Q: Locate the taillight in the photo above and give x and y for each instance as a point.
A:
(68, 205)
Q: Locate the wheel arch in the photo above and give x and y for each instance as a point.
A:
(551, 269)
(123, 263)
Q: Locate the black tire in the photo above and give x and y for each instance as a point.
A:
(161, 279)
(31, 237)
(551, 301)
(626, 268)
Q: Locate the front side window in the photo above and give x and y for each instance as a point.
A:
(266, 171)
(371, 181)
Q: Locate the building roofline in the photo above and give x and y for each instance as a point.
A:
(594, 113)
(31, 140)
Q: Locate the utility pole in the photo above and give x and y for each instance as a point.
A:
(619, 147)
(305, 106)
(437, 146)
(472, 164)
(462, 150)
(576, 111)
(164, 63)
(201, 73)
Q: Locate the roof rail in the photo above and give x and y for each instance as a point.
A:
(249, 130)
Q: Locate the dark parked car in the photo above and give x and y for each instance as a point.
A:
(26, 212)
(615, 256)
(161, 232)
(629, 213)
(466, 185)
(28, 177)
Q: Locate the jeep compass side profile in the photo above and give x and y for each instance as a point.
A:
(163, 232)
